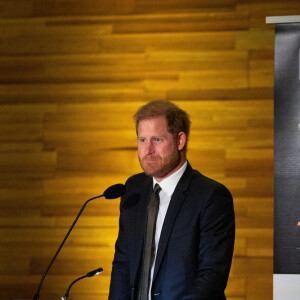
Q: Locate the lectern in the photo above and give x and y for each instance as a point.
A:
(286, 278)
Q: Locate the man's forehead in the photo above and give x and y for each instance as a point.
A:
(153, 126)
(153, 122)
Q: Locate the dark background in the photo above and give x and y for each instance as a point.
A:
(287, 150)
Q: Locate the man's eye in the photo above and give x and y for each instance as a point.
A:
(157, 139)
(142, 140)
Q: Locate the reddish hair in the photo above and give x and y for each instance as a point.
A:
(177, 119)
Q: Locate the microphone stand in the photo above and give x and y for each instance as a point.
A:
(37, 295)
(90, 274)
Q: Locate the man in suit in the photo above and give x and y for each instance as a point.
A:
(193, 236)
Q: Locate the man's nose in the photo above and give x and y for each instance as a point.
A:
(149, 147)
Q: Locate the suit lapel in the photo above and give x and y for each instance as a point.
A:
(172, 212)
(140, 224)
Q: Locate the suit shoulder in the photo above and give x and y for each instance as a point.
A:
(136, 183)
(204, 183)
(134, 186)
(136, 179)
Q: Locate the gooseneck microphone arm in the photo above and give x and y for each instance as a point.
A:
(36, 296)
(90, 274)
(112, 192)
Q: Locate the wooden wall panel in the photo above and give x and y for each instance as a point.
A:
(72, 74)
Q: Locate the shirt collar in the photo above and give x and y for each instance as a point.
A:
(168, 185)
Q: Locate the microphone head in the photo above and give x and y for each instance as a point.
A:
(95, 272)
(115, 191)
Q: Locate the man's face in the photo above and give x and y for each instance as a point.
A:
(158, 149)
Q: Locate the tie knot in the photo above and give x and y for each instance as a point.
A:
(156, 189)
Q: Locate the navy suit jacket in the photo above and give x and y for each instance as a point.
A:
(195, 247)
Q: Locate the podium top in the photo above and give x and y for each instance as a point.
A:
(283, 19)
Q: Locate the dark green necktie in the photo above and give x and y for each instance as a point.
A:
(149, 244)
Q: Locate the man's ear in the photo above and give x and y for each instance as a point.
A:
(181, 140)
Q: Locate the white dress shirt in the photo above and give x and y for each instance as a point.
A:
(168, 186)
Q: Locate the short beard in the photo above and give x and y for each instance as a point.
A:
(154, 165)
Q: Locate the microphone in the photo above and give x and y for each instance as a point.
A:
(113, 192)
(89, 274)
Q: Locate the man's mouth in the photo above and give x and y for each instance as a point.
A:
(151, 158)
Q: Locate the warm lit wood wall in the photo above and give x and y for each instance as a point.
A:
(72, 74)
